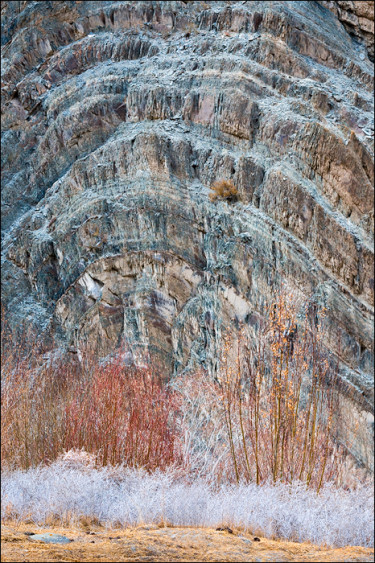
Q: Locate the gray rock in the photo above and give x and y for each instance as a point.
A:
(50, 538)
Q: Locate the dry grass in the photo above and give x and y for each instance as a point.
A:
(152, 543)
(224, 189)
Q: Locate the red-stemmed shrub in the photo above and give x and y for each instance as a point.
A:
(122, 414)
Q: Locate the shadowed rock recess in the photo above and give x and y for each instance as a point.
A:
(118, 117)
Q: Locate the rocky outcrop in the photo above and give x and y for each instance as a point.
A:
(358, 19)
(119, 116)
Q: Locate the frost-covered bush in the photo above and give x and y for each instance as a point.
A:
(76, 459)
(123, 496)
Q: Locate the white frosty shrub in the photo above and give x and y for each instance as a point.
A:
(76, 459)
(120, 496)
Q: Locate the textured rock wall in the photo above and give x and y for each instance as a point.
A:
(358, 19)
(117, 118)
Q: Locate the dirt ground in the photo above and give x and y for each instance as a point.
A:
(151, 543)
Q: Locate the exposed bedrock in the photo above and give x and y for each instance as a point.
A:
(357, 18)
(118, 117)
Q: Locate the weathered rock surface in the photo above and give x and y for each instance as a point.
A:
(117, 118)
(358, 19)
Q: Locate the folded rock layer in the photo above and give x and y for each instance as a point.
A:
(117, 118)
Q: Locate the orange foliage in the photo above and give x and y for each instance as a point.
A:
(224, 189)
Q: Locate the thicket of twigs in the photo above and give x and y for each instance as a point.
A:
(279, 400)
(266, 417)
(120, 414)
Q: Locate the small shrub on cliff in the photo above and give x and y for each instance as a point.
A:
(224, 189)
(190, 29)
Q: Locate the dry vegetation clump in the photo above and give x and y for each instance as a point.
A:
(224, 189)
(191, 29)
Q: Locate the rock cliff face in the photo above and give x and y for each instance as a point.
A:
(358, 20)
(118, 117)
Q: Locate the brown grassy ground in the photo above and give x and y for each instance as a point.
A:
(150, 543)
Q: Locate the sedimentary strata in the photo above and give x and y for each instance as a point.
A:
(118, 117)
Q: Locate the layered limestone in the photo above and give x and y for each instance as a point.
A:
(118, 117)
(358, 19)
